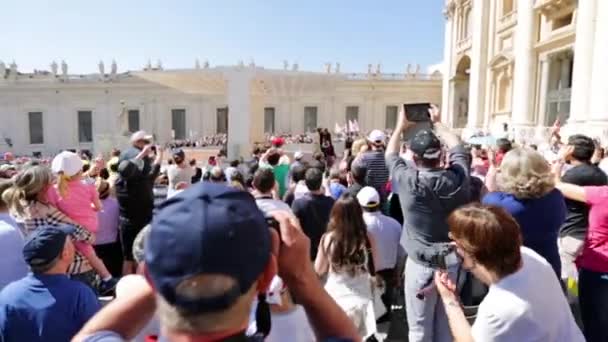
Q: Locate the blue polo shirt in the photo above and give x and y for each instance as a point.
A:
(45, 308)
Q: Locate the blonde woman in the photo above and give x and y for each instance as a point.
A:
(28, 204)
(525, 188)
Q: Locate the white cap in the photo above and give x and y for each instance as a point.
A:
(141, 135)
(298, 155)
(376, 136)
(67, 162)
(368, 197)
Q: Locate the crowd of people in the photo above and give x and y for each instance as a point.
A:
(280, 248)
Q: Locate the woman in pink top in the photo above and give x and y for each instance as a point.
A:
(592, 262)
(80, 202)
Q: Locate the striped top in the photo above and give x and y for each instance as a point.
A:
(377, 173)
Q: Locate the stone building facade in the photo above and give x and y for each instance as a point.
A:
(52, 110)
(526, 63)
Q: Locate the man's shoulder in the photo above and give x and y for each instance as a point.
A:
(129, 153)
(14, 291)
(585, 174)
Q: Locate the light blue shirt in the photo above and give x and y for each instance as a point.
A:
(12, 265)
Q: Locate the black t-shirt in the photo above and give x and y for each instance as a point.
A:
(313, 213)
(578, 213)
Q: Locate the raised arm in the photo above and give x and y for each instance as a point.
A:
(490, 180)
(321, 262)
(139, 307)
(403, 125)
(325, 316)
(448, 137)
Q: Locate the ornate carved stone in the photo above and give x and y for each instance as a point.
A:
(101, 68)
(54, 68)
(555, 8)
(114, 68)
(449, 9)
(64, 69)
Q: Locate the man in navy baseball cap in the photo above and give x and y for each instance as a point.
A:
(46, 305)
(215, 234)
(209, 254)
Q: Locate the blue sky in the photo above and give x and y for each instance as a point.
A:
(311, 32)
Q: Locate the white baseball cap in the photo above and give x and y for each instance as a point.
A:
(141, 135)
(376, 136)
(298, 155)
(69, 163)
(368, 197)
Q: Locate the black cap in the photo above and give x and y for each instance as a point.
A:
(425, 144)
(45, 244)
(178, 152)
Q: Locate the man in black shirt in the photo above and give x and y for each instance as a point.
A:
(134, 191)
(313, 209)
(356, 178)
(584, 173)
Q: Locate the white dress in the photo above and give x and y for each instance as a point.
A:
(353, 293)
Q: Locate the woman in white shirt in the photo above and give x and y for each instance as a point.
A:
(525, 301)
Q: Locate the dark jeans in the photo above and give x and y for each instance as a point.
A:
(89, 278)
(593, 299)
(111, 255)
(389, 277)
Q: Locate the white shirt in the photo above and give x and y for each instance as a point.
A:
(269, 204)
(300, 190)
(176, 175)
(290, 326)
(387, 233)
(528, 305)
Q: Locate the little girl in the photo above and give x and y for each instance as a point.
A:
(80, 202)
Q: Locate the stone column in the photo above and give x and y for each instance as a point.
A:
(239, 112)
(448, 45)
(583, 63)
(598, 104)
(565, 70)
(479, 59)
(542, 93)
(523, 91)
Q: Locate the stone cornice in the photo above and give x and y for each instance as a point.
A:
(555, 8)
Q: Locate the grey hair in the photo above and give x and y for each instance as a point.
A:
(27, 184)
(525, 174)
(140, 243)
(205, 286)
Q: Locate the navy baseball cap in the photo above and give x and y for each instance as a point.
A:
(45, 244)
(425, 144)
(208, 229)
